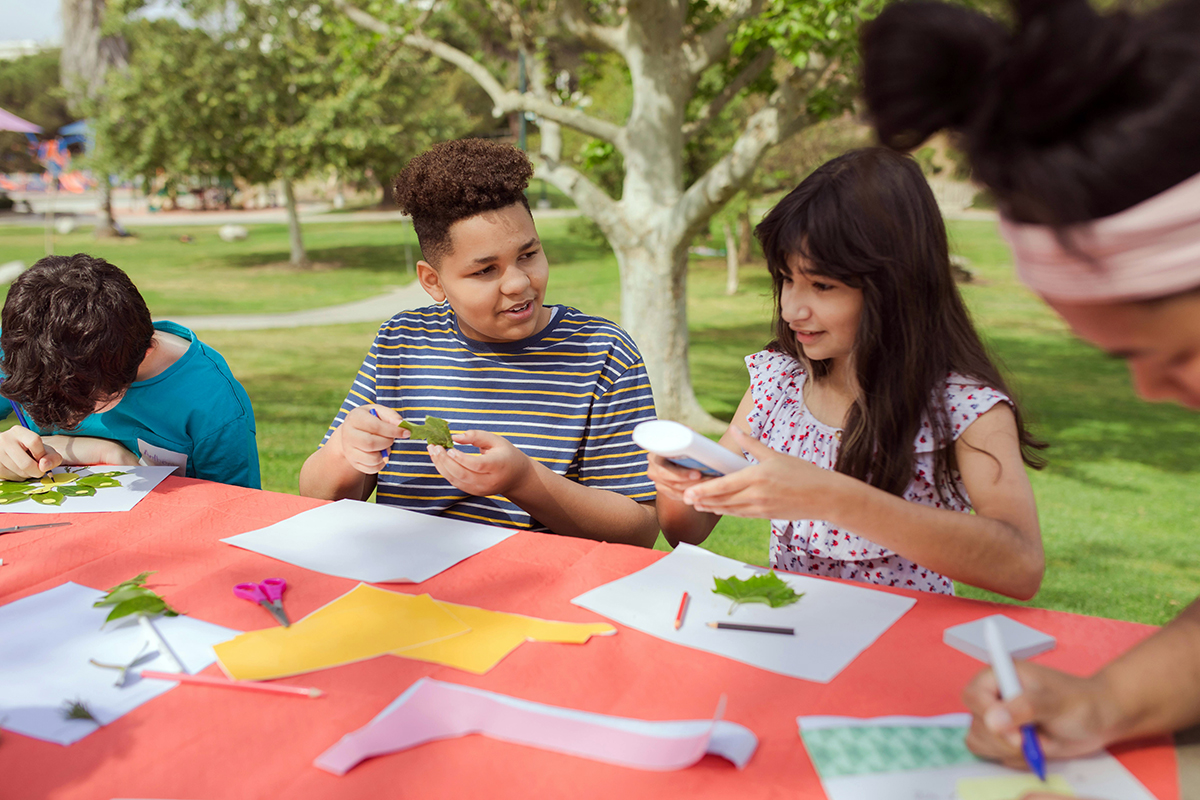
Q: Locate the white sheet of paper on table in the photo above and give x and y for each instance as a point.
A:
(432, 710)
(1099, 777)
(136, 483)
(47, 641)
(371, 543)
(834, 622)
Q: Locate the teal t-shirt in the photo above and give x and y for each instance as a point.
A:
(194, 408)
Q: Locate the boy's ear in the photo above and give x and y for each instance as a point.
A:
(430, 281)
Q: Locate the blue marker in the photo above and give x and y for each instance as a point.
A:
(1010, 687)
(24, 423)
(383, 453)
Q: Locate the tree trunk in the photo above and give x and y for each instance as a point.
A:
(731, 258)
(654, 312)
(299, 258)
(105, 226)
(745, 235)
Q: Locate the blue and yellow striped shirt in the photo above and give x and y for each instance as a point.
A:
(567, 397)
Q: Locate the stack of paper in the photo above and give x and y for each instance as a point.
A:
(925, 758)
(833, 622)
(47, 642)
(367, 622)
(1022, 641)
(431, 710)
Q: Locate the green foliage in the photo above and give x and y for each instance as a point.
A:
(75, 709)
(52, 489)
(435, 431)
(133, 597)
(769, 589)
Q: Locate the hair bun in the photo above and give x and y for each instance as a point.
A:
(927, 66)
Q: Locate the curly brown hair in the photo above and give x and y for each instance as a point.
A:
(75, 331)
(456, 180)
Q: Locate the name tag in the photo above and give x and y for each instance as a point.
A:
(162, 457)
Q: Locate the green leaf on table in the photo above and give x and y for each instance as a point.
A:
(75, 709)
(769, 589)
(13, 487)
(76, 491)
(134, 597)
(12, 497)
(49, 498)
(434, 431)
(99, 481)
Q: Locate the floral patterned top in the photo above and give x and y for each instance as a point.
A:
(781, 420)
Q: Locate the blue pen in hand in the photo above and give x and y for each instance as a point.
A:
(1010, 687)
(20, 417)
(383, 453)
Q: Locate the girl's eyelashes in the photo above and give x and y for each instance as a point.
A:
(822, 287)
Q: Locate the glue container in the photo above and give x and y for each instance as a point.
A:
(681, 445)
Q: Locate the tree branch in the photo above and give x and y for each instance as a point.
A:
(783, 115)
(505, 100)
(706, 49)
(574, 18)
(714, 107)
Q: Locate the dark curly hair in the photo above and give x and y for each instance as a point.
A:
(75, 331)
(456, 180)
(1069, 116)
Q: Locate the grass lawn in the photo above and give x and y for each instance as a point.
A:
(1115, 501)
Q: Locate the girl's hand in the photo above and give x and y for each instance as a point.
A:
(496, 470)
(670, 479)
(777, 487)
(364, 437)
(24, 455)
(1070, 714)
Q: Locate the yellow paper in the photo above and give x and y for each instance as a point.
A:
(363, 623)
(1011, 787)
(495, 634)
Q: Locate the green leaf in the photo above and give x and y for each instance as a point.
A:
(769, 589)
(75, 709)
(76, 491)
(99, 481)
(9, 487)
(434, 431)
(51, 498)
(12, 497)
(145, 604)
(121, 595)
(140, 580)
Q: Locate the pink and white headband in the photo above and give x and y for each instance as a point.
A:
(1149, 250)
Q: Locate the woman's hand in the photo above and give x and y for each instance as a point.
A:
(496, 470)
(777, 487)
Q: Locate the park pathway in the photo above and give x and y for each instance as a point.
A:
(373, 309)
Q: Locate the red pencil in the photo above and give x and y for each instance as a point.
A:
(226, 683)
(682, 608)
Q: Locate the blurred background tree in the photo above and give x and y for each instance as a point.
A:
(30, 88)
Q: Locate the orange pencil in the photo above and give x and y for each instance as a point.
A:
(205, 680)
(682, 608)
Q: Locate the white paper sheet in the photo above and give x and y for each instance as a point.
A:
(834, 622)
(46, 640)
(136, 483)
(371, 543)
(1099, 777)
(1021, 640)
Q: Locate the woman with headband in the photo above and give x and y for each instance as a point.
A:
(1087, 129)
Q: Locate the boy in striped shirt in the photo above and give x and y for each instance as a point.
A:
(542, 399)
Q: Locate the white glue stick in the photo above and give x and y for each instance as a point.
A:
(682, 446)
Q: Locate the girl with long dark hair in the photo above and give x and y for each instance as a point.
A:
(876, 416)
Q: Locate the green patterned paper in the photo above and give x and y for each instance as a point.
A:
(837, 752)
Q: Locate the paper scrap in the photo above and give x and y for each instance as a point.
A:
(648, 600)
(136, 483)
(430, 710)
(916, 758)
(363, 623)
(495, 634)
(371, 542)
(1021, 640)
(47, 641)
(1012, 788)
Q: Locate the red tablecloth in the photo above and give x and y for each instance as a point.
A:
(196, 742)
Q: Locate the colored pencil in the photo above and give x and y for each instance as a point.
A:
(225, 683)
(682, 608)
(733, 626)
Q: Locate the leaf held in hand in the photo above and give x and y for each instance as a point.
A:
(769, 589)
(435, 431)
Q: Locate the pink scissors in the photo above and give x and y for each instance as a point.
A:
(268, 594)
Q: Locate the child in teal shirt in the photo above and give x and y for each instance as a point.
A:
(100, 383)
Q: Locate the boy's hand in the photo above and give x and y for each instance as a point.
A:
(671, 480)
(24, 455)
(364, 437)
(496, 470)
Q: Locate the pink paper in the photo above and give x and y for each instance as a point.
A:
(432, 710)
